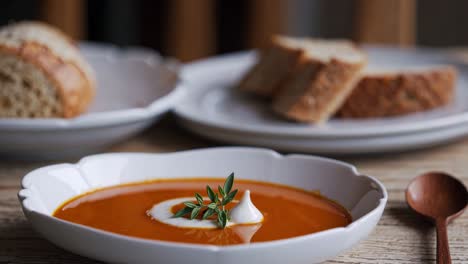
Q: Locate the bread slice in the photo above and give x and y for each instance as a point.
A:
(42, 73)
(273, 66)
(384, 92)
(324, 77)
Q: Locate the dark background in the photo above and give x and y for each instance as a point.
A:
(144, 22)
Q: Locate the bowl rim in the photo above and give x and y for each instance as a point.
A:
(23, 195)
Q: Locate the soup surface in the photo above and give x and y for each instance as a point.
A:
(288, 212)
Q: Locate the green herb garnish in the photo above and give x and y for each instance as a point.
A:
(218, 202)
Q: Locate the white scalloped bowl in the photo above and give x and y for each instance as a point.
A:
(135, 86)
(47, 188)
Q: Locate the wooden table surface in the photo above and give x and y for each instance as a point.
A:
(400, 237)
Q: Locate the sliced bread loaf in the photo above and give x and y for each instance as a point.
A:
(42, 73)
(383, 92)
(324, 77)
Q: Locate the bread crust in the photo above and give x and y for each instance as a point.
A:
(273, 66)
(394, 94)
(327, 86)
(72, 78)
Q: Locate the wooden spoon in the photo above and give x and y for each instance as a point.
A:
(441, 198)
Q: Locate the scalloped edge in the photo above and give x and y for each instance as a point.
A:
(26, 193)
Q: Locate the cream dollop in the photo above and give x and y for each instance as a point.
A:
(244, 212)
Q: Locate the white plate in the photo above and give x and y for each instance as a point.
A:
(216, 110)
(213, 101)
(134, 87)
(47, 188)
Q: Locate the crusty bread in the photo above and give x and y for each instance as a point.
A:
(383, 92)
(273, 66)
(324, 77)
(42, 73)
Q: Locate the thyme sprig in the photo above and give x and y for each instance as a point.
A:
(217, 205)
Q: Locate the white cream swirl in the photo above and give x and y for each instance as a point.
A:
(244, 212)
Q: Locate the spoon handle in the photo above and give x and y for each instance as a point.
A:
(443, 251)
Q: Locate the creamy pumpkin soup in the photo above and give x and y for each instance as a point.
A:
(205, 211)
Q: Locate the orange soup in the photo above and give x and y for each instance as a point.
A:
(288, 212)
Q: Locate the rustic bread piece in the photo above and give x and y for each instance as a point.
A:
(42, 73)
(274, 64)
(383, 93)
(320, 84)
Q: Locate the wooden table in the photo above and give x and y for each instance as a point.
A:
(400, 237)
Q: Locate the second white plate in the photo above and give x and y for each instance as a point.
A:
(359, 145)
